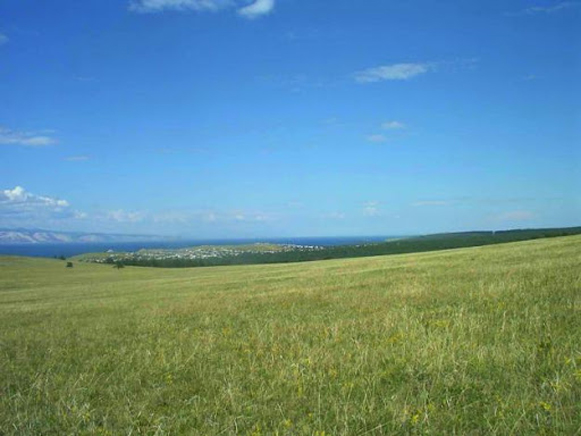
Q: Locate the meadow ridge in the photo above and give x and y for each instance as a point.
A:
(482, 340)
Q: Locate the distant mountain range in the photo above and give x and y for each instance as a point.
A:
(38, 236)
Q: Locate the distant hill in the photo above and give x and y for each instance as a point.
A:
(38, 236)
(224, 255)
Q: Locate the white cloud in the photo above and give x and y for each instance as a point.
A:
(371, 208)
(249, 217)
(25, 139)
(210, 217)
(378, 138)
(171, 217)
(3, 39)
(257, 9)
(254, 10)
(85, 79)
(122, 216)
(182, 217)
(16, 194)
(192, 217)
(393, 72)
(431, 203)
(516, 215)
(335, 216)
(152, 6)
(393, 125)
(20, 208)
(533, 10)
(295, 205)
(331, 121)
(77, 158)
(20, 198)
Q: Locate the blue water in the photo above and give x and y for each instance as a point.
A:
(72, 249)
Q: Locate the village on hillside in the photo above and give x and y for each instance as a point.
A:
(195, 253)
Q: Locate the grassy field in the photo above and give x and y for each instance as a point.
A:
(472, 341)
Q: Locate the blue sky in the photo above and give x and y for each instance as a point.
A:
(244, 118)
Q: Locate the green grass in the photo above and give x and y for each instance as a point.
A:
(473, 341)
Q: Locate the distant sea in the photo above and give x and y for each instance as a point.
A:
(73, 249)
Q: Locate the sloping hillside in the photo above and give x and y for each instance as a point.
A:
(471, 341)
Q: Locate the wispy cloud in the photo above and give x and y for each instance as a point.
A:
(371, 208)
(393, 125)
(431, 203)
(304, 34)
(394, 128)
(404, 71)
(376, 138)
(257, 9)
(334, 216)
(77, 158)
(153, 6)
(295, 205)
(3, 39)
(122, 216)
(25, 139)
(537, 10)
(196, 217)
(516, 215)
(85, 79)
(248, 216)
(296, 82)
